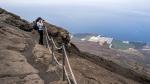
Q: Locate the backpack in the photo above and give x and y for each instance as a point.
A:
(35, 26)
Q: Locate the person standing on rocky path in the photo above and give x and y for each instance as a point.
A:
(40, 25)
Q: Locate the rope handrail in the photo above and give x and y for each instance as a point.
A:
(54, 54)
(52, 40)
(62, 47)
(74, 79)
(55, 44)
(58, 62)
(67, 75)
(47, 34)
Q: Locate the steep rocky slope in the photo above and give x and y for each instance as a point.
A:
(113, 60)
(23, 61)
(14, 67)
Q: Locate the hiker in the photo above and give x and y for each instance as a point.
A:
(35, 27)
(40, 25)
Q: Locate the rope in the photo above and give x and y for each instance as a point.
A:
(67, 75)
(58, 62)
(52, 40)
(47, 34)
(55, 44)
(74, 79)
(48, 45)
(51, 52)
(62, 47)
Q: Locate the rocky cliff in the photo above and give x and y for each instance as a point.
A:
(24, 61)
(15, 45)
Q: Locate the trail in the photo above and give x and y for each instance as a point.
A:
(46, 76)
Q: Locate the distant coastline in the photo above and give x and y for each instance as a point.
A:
(127, 38)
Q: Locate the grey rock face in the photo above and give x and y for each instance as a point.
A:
(14, 67)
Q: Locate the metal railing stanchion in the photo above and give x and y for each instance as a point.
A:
(53, 60)
(63, 62)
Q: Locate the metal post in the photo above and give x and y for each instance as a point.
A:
(53, 61)
(47, 41)
(63, 61)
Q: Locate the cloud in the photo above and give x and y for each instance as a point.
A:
(62, 2)
(103, 6)
(43, 2)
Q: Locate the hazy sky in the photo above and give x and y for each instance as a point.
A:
(115, 18)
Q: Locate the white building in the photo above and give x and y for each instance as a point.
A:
(94, 39)
(83, 39)
(126, 42)
(101, 39)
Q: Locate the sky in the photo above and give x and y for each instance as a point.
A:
(120, 19)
